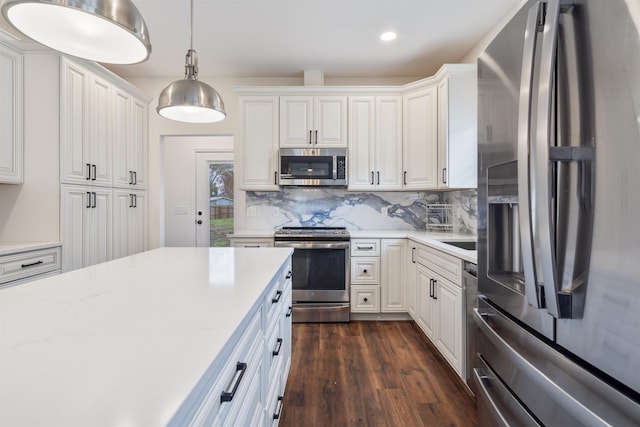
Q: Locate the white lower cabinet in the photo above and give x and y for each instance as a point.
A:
(87, 226)
(247, 387)
(439, 309)
(365, 298)
(25, 266)
(129, 222)
(392, 291)
(251, 242)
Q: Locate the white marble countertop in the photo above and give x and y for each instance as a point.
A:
(428, 238)
(7, 248)
(123, 343)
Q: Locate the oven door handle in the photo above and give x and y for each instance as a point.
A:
(312, 245)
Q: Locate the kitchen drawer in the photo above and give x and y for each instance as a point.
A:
(253, 242)
(365, 298)
(365, 271)
(365, 247)
(26, 264)
(248, 350)
(442, 263)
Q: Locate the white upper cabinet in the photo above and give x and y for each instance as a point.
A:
(11, 119)
(313, 121)
(129, 140)
(85, 127)
(258, 149)
(420, 139)
(375, 143)
(457, 127)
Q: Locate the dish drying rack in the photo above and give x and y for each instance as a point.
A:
(440, 216)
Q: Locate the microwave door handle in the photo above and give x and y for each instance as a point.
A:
(335, 166)
(524, 135)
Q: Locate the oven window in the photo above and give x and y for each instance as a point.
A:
(307, 167)
(319, 269)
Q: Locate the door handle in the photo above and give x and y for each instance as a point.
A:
(199, 222)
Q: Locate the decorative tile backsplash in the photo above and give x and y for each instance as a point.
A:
(331, 207)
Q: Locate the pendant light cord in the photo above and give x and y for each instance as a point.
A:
(191, 60)
(191, 33)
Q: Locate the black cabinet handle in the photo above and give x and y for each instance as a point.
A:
(378, 177)
(130, 200)
(227, 396)
(279, 410)
(130, 177)
(277, 298)
(289, 275)
(289, 312)
(444, 175)
(316, 137)
(135, 178)
(371, 177)
(435, 284)
(365, 248)
(88, 200)
(430, 288)
(275, 177)
(95, 196)
(276, 351)
(365, 299)
(88, 171)
(135, 200)
(413, 251)
(364, 271)
(405, 178)
(31, 264)
(310, 133)
(93, 169)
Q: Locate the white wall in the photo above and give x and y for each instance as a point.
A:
(29, 211)
(475, 52)
(178, 160)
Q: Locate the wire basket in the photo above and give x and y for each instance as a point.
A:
(440, 217)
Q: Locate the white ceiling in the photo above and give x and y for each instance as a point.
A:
(282, 38)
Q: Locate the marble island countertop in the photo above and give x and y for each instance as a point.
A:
(124, 342)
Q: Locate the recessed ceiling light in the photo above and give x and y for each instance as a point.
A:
(388, 36)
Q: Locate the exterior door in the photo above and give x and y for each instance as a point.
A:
(214, 199)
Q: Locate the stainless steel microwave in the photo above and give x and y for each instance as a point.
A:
(311, 167)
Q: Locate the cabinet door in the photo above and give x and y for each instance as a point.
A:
(137, 223)
(361, 142)
(392, 271)
(296, 121)
(98, 228)
(426, 306)
(121, 203)
(443, 134)
(139, 143)
(388, 143)
(122, 176)
(330, 124)
(11, 120)
(420, 139)
(411, 290)
(449, 312)
(258, 148)
(74, 100)
(100, 131)
(75, 206)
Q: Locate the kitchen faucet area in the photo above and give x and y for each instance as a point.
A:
(386, 213)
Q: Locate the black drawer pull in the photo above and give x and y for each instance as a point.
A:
(276, 416)
(365, 248)
(289, 312)
(228, 396)
(277, 298)
(276, 352)
(31, 264)
(289, 275)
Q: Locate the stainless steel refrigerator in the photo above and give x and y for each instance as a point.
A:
(559, 217)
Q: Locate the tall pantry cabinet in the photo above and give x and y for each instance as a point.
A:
(103, 151)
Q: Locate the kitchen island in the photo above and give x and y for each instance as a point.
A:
(142, 340)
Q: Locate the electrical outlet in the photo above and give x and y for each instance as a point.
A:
(251, 211)
(384, 211)
(276, 211)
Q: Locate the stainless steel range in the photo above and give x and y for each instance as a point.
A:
(320, 272)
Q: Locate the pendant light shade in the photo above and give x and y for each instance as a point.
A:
(190, 100)
(109, 31)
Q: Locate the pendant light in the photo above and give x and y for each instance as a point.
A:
(190, 100)
(109, 31)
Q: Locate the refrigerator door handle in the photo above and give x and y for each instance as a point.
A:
(524, 135)
(544, 236)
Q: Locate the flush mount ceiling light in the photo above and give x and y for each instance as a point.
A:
(388, 36)
(190, 100)
(110, 31)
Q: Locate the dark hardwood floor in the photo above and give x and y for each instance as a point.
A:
(371, 374)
